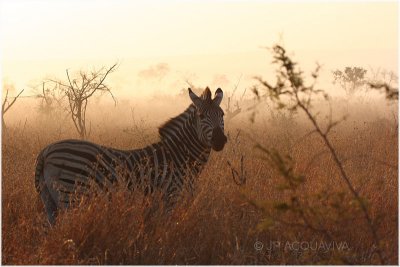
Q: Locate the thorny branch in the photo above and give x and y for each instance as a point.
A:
(290, 84)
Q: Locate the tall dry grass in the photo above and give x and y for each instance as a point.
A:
(218, 225)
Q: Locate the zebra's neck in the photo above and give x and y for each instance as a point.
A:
(180, 136)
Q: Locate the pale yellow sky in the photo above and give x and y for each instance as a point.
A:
(204, 39)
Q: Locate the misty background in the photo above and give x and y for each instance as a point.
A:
(160, 46)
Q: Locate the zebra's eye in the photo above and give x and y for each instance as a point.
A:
(201, 115)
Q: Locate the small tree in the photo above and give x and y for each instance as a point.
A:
(350, 79)
(7, 105)
(80, 89)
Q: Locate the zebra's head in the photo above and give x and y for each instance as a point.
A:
(210, 118)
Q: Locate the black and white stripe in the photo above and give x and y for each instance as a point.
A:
(68, 168)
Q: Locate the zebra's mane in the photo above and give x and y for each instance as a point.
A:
(173, 123)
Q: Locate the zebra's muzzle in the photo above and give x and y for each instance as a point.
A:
(218, 139)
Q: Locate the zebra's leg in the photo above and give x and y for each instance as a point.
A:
(49, 194)
(49, 204)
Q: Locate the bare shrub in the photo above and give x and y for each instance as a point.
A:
(79, 90)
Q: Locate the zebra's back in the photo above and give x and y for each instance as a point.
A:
(69, 166)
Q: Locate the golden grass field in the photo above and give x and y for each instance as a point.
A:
(223, 223)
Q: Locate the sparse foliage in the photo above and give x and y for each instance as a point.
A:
(291, 93)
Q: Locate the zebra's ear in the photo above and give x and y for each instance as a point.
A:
(206, 95)
(218, 96)
(195, 99)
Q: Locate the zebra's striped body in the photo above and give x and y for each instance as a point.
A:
(69, 167)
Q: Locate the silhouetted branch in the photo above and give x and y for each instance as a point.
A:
(7, 105)
(391, 92)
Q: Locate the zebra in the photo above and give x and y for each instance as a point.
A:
(67, 167)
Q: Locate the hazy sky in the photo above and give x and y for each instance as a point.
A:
(200, 39)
